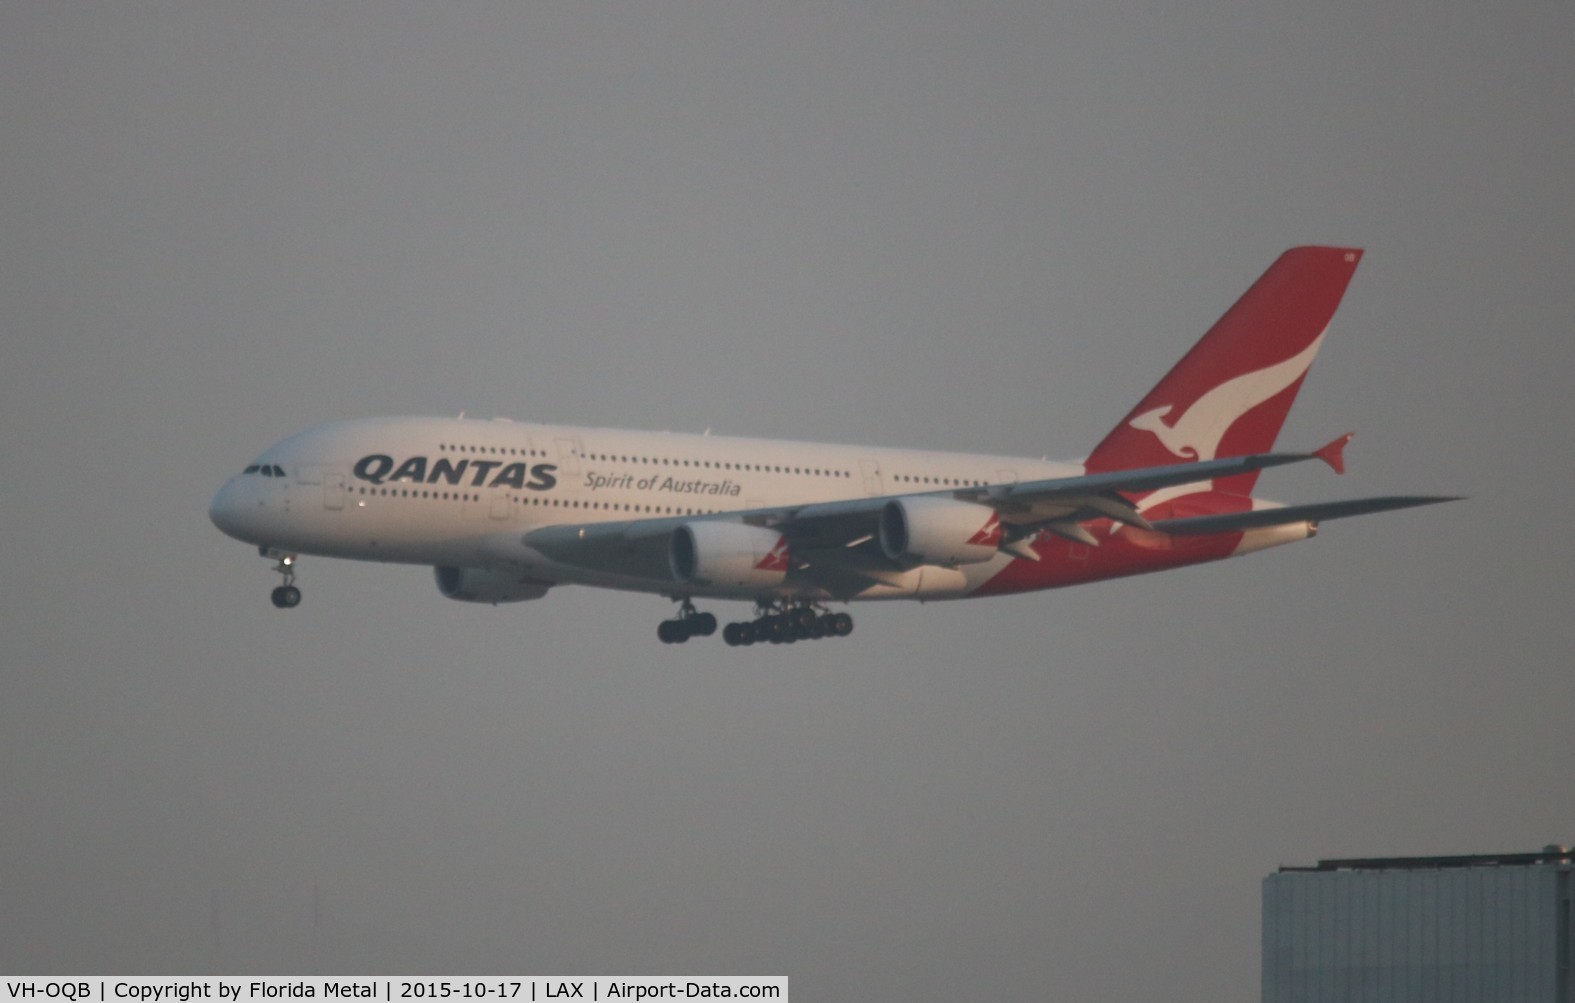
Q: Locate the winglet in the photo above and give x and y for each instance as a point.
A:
(1334, 453)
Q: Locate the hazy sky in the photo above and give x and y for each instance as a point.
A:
(982, 226)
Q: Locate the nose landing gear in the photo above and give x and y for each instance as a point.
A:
(286, 596)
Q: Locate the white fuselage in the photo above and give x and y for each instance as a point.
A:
(462, 492)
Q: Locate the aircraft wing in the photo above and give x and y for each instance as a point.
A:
(1057, 504)
(836, 540)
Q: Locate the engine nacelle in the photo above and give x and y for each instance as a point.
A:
(488, 585)
(939, 531)
(730, 554)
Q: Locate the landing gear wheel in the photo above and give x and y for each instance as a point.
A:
(673, 631)
(689, 622)
(782, 622)
(286, 597)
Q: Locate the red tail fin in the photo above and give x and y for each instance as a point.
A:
(1230, 394)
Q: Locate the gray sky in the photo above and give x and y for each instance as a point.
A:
(983, 227)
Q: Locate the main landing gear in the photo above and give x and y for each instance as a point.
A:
(787, 623)
(775, 623)
(286, 596)
(689, 623)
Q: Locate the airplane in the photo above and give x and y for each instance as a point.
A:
(504, 511)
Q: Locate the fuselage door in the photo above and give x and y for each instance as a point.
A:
(872, 479)
(569, 456)
(333, 492)
(502, 506)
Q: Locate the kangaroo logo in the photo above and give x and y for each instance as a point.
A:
(989, 534)
(1196, 434)
(777, 560)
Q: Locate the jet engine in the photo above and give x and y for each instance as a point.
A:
(488, 585)
(939, 531)
(730, 554)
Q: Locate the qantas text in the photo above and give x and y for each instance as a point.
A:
(380, 467)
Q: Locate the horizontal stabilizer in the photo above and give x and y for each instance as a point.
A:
(1317, 512)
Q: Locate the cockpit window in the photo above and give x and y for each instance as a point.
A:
(266, 469)
(251, 469)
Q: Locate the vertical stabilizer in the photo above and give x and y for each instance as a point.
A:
(1230, 394)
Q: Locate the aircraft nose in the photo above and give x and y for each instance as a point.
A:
(226, 511)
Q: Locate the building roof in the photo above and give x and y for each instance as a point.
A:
(1552, 854)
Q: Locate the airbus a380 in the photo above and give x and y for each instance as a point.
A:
(503, 511)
